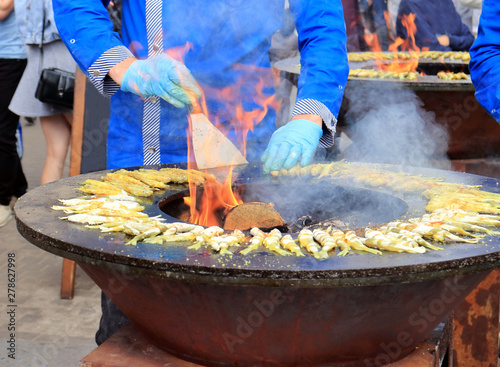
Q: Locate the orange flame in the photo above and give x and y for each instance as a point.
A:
(243, 112)
(408, 21)
(218, 198)
(371, 40)
(400, 62)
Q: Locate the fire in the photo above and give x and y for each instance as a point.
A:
(242, 112)
(401, 62)
(246, 104)
(216, 198)
(408, 21)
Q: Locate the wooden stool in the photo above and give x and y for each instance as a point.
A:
(128, 347)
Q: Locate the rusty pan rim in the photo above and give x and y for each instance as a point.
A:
(309, 279)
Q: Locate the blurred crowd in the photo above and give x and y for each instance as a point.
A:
(374, 25)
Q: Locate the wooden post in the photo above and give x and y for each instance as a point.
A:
(69, 266)
(77, 128)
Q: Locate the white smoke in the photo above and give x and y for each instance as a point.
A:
(392, 126)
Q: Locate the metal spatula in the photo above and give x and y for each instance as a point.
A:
(211, 148)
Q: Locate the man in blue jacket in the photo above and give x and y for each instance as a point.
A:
(485, 59)
(224, 37)
(439, 26)
(229, 40)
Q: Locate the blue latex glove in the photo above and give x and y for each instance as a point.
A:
(297, 139)
(161, 76)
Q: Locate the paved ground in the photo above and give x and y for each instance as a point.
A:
(49, 331)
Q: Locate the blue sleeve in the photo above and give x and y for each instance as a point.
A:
(324, 67)
(424, 35)
(485, 59)
(87, 32)
(462, 39)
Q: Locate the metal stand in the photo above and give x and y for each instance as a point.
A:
(475, 328)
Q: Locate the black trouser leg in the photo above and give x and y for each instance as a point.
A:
(21, 185)
(12, 180)
(112, 320)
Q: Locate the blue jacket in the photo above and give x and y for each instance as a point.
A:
(29, 18)
(485, 59)
(435, 18)
(229, 40)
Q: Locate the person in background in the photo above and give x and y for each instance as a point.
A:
(465, 14)
(439, 26)
(473, 4)
(12, 64)
(355, 28)
(115, 14)
(284, 45)
(392, 12)
(228, 44)
(34, 19)
(484, 65)
(374, 14)
(474, 12)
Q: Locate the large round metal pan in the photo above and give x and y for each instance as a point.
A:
(41, 225)
(262, 309)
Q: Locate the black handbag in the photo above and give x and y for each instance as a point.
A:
(56, 87)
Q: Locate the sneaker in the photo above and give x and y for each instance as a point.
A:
(5, 214)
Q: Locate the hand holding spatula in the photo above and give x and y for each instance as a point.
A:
(169, 79)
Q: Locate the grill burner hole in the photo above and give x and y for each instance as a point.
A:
(305, 204)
